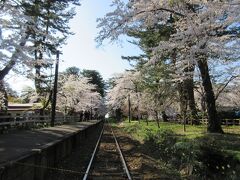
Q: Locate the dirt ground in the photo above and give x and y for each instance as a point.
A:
(140, 162)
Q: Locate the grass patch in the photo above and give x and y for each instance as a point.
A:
(139, 130)
(195, 153)
(110, 120)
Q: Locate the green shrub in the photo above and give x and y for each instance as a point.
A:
(207, 156)
(193, 158)
(110, 120)
(161, 143)
(217, 163)
(132, 129)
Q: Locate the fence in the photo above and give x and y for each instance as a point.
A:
(227, 122)
(10, 122)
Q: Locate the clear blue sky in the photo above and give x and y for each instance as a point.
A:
(81, 50)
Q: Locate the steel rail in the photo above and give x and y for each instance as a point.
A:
(122, 157)
(93, 156)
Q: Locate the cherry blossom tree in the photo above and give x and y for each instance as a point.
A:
(28, 94)
(77, 94)
(30, 34)
(25, 23)
(13, 45)
(141, 93)
(202, 33)
(124, 93)
(230, 97)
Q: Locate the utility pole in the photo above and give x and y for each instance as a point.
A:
(91, 112)
(54, 100)
(129, 108)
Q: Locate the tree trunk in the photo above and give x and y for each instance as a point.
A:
(13, 59)
(39, 53)
(203, 103)
(214, 123)
(183, 101)
(147, 119)
(188, 93)
(118, 115)
(5, 101)
(138, 114)
(38, 80)
(191, 100)
(164, 117)
(138, 111)
(38, 67)
(7, 68)
(48, 101)
(156, 113)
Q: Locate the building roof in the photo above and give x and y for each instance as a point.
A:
(28, 105)
(23, 107)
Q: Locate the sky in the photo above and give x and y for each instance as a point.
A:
(81, 50)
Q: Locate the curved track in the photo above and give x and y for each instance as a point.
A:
(107, 161)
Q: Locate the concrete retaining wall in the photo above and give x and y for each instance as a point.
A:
(33, 166)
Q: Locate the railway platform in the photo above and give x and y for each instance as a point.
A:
(39, 147)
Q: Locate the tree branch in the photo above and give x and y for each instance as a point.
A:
(13, 59)
(221, 89)
(161, 9)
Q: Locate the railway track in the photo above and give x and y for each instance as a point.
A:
(107, 161)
